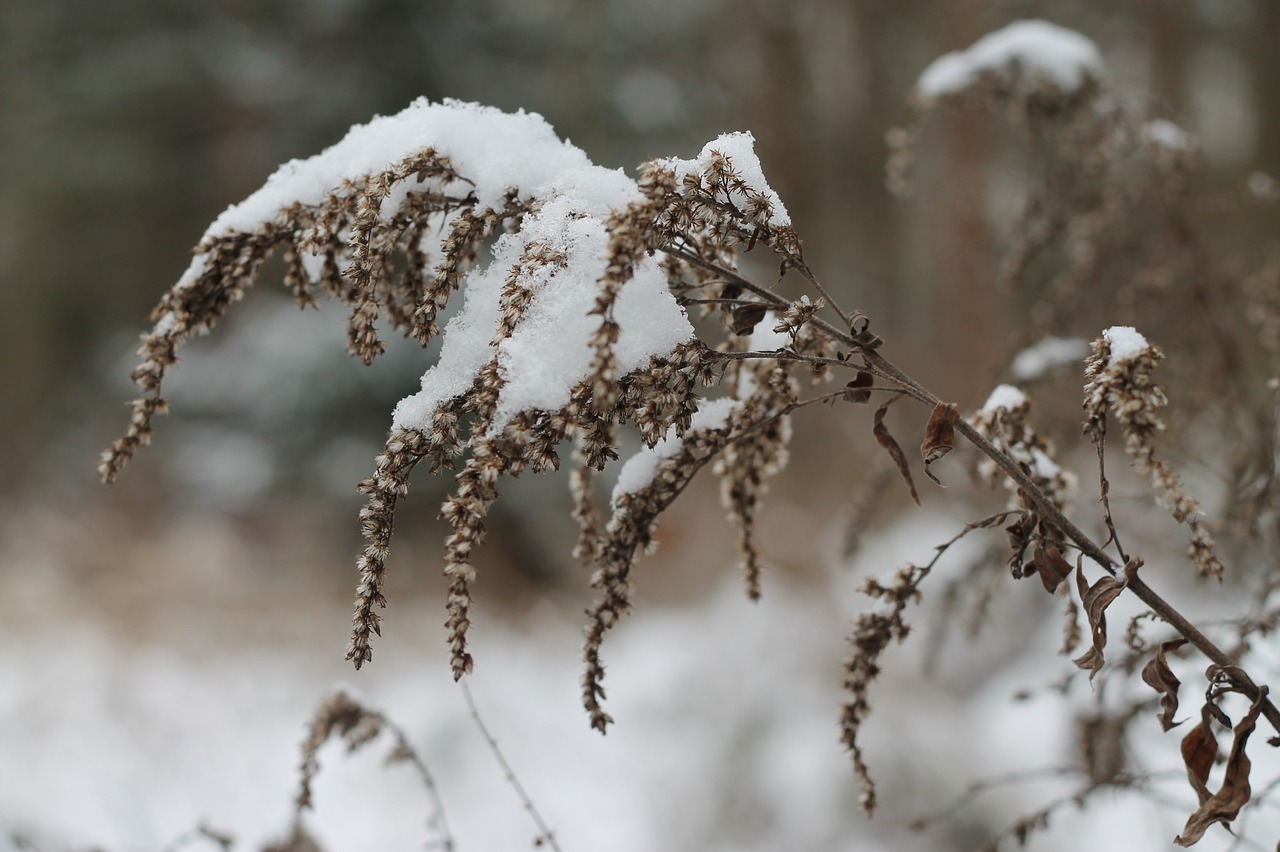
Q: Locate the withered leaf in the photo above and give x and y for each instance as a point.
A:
(747, 317)
(1199, 751)
(1049, 563)
(1157, 675)
(1020, 539)
(1095, 599)
(1234, 794)
(884, 439)
(939, 435)
(858, 390)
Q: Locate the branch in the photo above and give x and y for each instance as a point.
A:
(545, 835)
(1049, 511)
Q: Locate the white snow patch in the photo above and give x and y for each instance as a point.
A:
(1126, 343)
(549, 352)
(1045, 467)
(1005, 397)
(1034, 361)
(1166, 134)
(1062, 57)
(765, 339)
(467, 342)
(641, 468)
(495, 150)
(741, 149)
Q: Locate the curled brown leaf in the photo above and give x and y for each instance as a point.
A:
(1050, 565)
(859, 390)
(1094, 600)
(884, 439)
(939, 435)
(1199, 751)
(1235, 792)
(747, 317)
(1157, 674)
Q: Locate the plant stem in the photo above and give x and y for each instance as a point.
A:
(1090, 548)
(1051, 513)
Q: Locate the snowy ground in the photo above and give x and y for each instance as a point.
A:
(725, 738)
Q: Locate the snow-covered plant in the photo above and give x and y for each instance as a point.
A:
(576, 324)
(576, 284)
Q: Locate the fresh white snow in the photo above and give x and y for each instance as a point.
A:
(1034, 361)
(1166, 134)
(1005, 397)
(639, 470)
(1059, 56)
(739, 147)
(1126, 343)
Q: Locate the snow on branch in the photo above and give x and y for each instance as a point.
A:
(575, 325)
(1036, 50)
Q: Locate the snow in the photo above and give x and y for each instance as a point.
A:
(124, 736)
(1034, 361)
(549, 351)
(1166, 134)
(495, 150)
(641, 468)
(1005, 397)
(1126, 343)
(1045, 467)
(741, 148)
(1060, 56)
(764, 338)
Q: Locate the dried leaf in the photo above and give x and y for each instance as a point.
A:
(1019, 539)
(939, 435)
(1234, 794)
(1095, 599)
(858, 390)
(891, 446)
(1199, 751)
(746, 317)
(1157, 675)
(1049, 563)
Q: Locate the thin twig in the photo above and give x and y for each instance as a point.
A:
(200, 832)
(808, 275)
(977, 788)
(436, 820)
(545, 834)
(1104, 489)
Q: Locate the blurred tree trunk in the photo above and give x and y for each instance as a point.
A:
(971, 332)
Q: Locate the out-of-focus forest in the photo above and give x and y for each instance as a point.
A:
(125, 128)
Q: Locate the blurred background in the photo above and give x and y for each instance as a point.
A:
(168, 636)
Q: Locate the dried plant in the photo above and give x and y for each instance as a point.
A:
(577, 326)
(344, 716)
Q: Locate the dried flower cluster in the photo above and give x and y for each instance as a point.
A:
(1118, 378)
(873, 632)
(345, 717)
(1005, 421)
